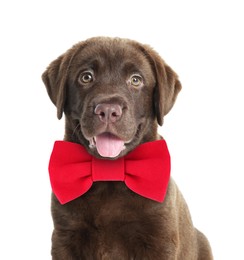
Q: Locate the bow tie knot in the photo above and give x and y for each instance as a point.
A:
(112, 170)
(145, 170)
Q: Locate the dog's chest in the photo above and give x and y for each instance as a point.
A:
(125, 223)
(113, 219)
(113, 204)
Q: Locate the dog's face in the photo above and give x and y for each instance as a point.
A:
(113, 93)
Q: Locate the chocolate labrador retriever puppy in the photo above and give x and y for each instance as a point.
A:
(114, 92)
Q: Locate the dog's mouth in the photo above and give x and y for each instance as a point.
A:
(107, 145)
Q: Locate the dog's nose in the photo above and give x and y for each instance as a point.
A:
(108, 113)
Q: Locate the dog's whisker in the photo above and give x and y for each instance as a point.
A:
(77, 128)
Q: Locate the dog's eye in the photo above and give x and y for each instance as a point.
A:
(136, 81)
(86, 77)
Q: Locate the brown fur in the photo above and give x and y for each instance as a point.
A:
(109, 221)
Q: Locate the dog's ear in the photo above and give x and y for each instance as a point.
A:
(167, 85)
(166, 91)
(55, 79)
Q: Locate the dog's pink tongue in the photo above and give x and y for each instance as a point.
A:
(109, 145)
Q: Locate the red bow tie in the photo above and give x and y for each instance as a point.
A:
(145, 170)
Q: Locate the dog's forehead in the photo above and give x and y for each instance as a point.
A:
(119, 53)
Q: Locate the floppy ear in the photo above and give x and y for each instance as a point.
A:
(167, 85)
(166, 91)
(55, 79)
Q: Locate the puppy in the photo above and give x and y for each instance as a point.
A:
(113, 93)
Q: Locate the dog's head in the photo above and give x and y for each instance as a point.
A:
(113, 93)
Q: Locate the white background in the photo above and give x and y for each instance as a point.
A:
(201, 40)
